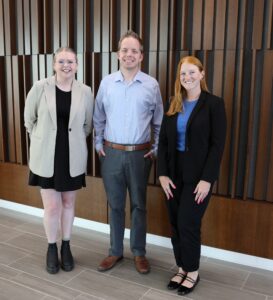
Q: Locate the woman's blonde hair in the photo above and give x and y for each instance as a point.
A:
(65, 49)
(180, 92)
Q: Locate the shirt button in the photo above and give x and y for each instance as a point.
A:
(70, 129)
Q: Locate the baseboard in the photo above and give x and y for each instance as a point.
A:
(229, 256)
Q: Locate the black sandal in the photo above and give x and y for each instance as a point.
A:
(183, 290)
(173, 285)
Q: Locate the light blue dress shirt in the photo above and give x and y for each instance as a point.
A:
(182, 121)
(126, 112)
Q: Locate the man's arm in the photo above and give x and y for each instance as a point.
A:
(99, 119)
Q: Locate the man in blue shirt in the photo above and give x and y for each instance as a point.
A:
(128, 111)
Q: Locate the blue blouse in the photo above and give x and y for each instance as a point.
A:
(182, 121)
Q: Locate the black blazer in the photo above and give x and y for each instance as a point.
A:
(205, 139)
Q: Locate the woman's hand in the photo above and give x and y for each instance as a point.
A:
(201, 191)
(167, 184)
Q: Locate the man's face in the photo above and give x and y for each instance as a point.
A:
(129, 54)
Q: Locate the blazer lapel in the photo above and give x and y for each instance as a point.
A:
(75, 100)
(197, 107)
(50, 95)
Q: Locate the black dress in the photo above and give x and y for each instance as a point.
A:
(61, 180)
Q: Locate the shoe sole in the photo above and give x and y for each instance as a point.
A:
(67, 268)
(52, 270)
(144, 272)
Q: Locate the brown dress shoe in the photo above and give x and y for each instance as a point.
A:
(142, 264)
(109, 262)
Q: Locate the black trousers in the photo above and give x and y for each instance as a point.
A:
(186, 217)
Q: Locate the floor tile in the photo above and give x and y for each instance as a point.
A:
(87, 258)
(223, 274)
(89, 240)
(239, 267)
(7, 233)
(46, 286)
(260, 283)
(35, 227)
(157, 278)
(106, 287)
(35, 265)
(87, 297)
(211, 291)
(11, 290)
(10, 254)
(159, 295)
(12, 218)
(8, 272)
(31, 243)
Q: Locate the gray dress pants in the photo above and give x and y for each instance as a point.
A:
(122, 171)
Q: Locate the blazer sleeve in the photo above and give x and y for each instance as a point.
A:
(217, 141)
(31, 108)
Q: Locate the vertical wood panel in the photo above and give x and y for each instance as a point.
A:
(79, 20)
(163, 26)
(105, 25)
(228, 94)
(232, 19)
(56, 24)
(257, 33)
(268, 39)
(265, 129)
(64, 22)
(3, 115)
(269, 191)
(9, 111)
(2, 40)
(96, 27)
(153, 28)
(10, 27)
(235, 121)
(36, 23)
(18, 92)
(124, 22)
(20, 26)
(208, 24)
(220, 17)
(48, 26)
(196, 33)
(27, 35)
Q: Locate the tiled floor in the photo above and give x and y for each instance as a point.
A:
(23, 275)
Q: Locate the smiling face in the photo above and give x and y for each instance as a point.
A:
(130, 55)
(190, 78)
(65, 65)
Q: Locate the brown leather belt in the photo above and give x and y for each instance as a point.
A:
(127, 147)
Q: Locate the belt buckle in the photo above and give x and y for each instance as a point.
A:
(129, 148)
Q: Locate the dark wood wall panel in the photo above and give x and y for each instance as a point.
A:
(232, 38)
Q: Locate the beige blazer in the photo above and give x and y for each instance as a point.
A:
(41, 123)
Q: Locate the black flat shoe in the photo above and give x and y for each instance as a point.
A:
(183, 290)
(173, 285)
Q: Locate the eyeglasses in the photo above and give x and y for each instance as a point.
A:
(68, 62)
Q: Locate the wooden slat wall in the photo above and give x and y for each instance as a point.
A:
(232, 38)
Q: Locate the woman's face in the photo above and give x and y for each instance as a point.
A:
(190, 77)
(65, 65)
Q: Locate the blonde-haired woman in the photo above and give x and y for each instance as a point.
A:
(58, 115)
(191, 145)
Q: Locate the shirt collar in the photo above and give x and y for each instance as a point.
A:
(138, 76)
